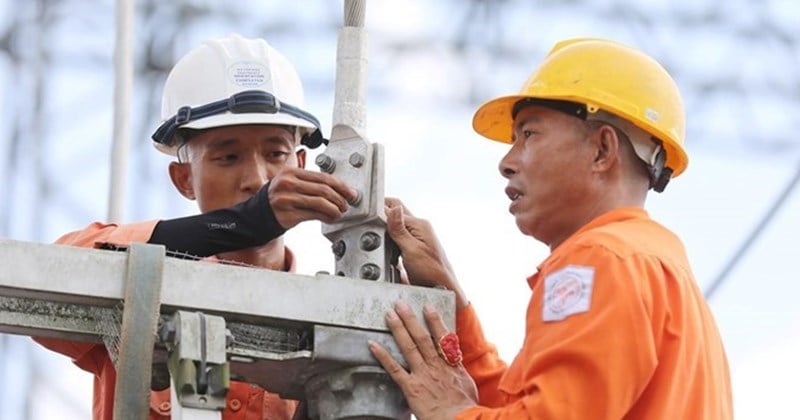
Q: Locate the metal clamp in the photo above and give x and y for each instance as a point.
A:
(197, 359)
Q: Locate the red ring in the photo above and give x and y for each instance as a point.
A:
(449, 349)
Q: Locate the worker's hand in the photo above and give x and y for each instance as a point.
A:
(297, 195)
(424, 259)
(433, 388)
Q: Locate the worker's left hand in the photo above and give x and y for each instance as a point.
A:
(433, 388)
(424, 262)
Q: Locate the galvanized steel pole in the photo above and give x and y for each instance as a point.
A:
(360, 243)
(123, 87)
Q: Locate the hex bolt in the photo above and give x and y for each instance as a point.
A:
(338, 249)
(356, 201)
(325, 163)
(356, 159)
(370, 241)
(370, 271)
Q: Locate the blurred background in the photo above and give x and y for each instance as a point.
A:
(430, 65)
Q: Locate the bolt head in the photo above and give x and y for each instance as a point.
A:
(356, 159)
(338, 249)
(325, 163)
(370, 271)
(370, 241)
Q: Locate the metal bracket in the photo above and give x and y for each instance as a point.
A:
(360, 245)
(197, 359)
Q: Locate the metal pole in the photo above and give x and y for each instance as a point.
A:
(351, 74)
(123, 86)
(360, 244)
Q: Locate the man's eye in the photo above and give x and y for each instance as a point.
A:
(523, 135)
(277, 155)
(230, 157)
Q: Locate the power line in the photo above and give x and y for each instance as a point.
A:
(748, 242)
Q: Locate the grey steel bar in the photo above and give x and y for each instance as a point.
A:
(60, 273)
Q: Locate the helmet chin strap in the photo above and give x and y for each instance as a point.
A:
(660, 174)
(249, 101)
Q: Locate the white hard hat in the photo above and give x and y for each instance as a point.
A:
(232, 81)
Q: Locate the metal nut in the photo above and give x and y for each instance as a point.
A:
(325, 163)
(370, 271)
(370, 241)
(338, 249)
(356, 159)
(356, 201)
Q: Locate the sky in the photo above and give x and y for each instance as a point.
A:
(742, 96)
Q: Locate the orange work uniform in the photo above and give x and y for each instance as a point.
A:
(616, 328)
(244, 401)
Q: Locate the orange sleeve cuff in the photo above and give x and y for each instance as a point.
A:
(98, 233)
(470, 334)
(134, 232)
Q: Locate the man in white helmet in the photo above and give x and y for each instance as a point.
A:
(232, 116)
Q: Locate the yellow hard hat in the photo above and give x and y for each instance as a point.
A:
(602, 75)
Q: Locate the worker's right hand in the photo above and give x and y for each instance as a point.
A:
(297, 195)
(423, 258)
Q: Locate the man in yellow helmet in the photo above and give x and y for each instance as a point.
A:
(616, 326)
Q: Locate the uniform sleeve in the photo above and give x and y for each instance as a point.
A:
(109, 233)
(90, 356)
(480, 357)
(593, 363)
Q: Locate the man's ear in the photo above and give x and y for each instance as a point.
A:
(301, 158)
(181, 176)
(607, 148)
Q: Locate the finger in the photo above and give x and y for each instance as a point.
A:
(386, 360)
(435, 322)
(291, 210)
(392, 202)
(406, 344)
(417, 331)
(396, 202)
(324, 209)
(336, 184)
(300, 180)
(287, 189)
(396, 226)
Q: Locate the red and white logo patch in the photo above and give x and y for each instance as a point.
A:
(567, 291)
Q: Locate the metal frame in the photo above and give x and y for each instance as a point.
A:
(62, 291)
